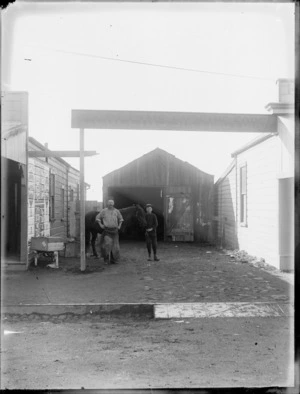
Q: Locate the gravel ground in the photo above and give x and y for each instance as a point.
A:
(185, 273)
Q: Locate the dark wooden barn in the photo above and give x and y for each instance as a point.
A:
(180, 193)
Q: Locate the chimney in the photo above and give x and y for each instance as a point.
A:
(46, 146)
(286, 90)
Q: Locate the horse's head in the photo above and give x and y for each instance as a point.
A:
(141, 216)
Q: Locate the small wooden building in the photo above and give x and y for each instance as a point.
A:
(53, 184)
(180, 193)
(53, 198)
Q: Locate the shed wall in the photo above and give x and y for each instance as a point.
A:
(159, 169)
(156, 169)
(226, 211)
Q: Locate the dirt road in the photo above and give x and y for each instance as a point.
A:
(218, 352)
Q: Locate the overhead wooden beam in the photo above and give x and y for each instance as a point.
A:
(182, 121)
(60, 153)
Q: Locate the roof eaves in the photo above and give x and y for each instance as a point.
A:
(253, 143)
(145, 154)
(226, 172)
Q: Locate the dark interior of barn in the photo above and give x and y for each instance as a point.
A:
(127, 196)
(12, 208)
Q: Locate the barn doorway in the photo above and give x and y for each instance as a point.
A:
(12, 209)
(129, 195)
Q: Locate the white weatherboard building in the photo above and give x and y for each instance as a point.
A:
(254, 199)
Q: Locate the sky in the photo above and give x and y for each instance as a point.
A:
(195, 57)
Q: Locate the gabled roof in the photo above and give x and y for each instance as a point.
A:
(245, 147)
(161, 152)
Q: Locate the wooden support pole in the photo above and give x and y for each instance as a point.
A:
(82, 204)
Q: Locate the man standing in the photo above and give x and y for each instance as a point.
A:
(151, 237)
(110, 220)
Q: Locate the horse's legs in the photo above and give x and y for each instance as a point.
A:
(87, 241)
(94, 237)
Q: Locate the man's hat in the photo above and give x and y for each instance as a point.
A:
(148, 205)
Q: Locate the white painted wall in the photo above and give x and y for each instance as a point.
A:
(260, 236)
(286, 132)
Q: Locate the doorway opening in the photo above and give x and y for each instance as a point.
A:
(129, 195)
(11, 235)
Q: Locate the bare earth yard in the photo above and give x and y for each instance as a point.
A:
(185, 273)
(146, 353)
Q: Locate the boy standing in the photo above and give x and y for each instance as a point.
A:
(151, 237)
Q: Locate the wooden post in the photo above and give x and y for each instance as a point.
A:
(82, 203)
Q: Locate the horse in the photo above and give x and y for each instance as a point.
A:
(134, 217)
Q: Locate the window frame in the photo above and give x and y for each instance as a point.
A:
(52, 182)
(71, 195)
(243, 194)
(63, 201)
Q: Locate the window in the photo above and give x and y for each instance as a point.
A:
(78, 191)
(62, 203)
(243, 195)
(71, 195)
(52, 196)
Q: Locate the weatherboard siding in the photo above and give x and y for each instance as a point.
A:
(260, 236)
(67, 178)
(155, 169)
(227, 211)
